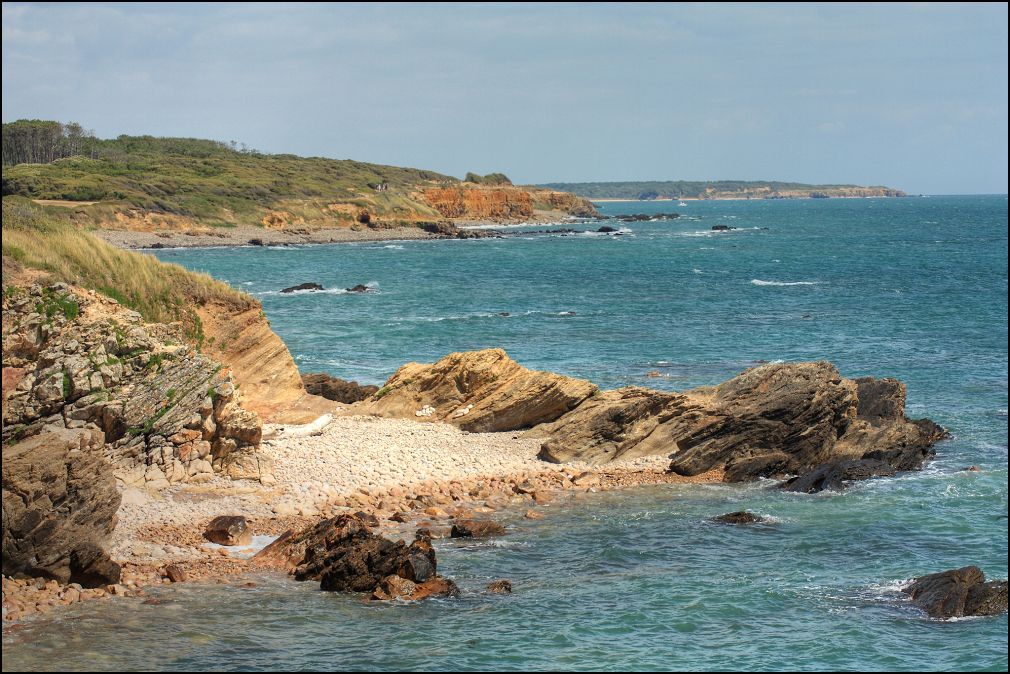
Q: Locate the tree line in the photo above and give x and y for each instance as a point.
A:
(37, 141)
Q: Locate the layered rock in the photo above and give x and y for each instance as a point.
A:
(958, 593)
(59, 506)
(771, 421)
(340, 390)
(168, 413)
(499, 203)
(478, 391)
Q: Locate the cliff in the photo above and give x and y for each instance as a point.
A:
(719, 189)
(188, 185)
(502, 203)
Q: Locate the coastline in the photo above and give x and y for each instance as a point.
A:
(409, 475)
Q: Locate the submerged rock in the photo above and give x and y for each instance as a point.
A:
(958, 593)
(360, 288)
(500, 587)
(302, 286)
(740, 517)
(476, 529)
(332, 388)
(228, 530)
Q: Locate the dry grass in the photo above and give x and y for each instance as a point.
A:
(44, 239)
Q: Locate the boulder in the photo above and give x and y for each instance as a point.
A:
(360, 288)
(59, 507)
(175, 573)
(740, 517)
(833, 475)
(332, 388)
(345, 556)
(500, 587)
(499, 394)
(476, 529)
(958, 593)
(228, 530)
(302, 286)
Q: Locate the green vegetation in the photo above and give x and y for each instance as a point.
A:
(44, 239)
(382, 391)
(489, 179)
(685, 189)
(214, 183)
(67, 386)
(53, 303)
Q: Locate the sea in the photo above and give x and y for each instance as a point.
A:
(641, 579)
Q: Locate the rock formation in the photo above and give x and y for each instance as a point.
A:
(775, 420)
(345, 556)
(476, 529)
(228, 530)
(739, 517)
(59, 506)
(499, 203)
(771, 421)
(332, 388)
(958, 593)
(73, 359)
(479, 391)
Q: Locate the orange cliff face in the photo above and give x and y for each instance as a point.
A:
(474, 202)
(480, 202)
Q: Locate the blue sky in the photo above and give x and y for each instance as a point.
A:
(911, 96)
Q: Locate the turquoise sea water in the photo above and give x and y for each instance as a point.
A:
(909, 288)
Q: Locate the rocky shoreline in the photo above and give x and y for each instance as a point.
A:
(154, 444)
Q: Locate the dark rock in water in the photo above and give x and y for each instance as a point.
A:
(504, 314)
(255, 242)
(740, 517)
(833, 475)
(476, 529)
(360, 288)
(500, 587)
(958, 593)
(228, 530)
(971, 469)
(345, 556)
(645, 217)
(368, 519)
(605, 229)
(303, 286)
(59, 506)
(331, 388)
(722, 228)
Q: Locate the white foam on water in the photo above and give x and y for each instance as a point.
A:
(760, 282)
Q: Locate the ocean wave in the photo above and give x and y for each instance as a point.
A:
(759, 282)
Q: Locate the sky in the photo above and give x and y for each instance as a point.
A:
(911, 96)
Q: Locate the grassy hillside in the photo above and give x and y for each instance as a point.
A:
(719, 189)
(214, 184)
(44, 239)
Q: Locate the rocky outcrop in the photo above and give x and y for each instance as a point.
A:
(332, 388)
(502, 203)
(59, 506)
(478, 391)
(168, 413)
(958, 593)
(476, 529)
(302, 287)
(228, 530)
(345, 556)
(739, 517)
(771, 421)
